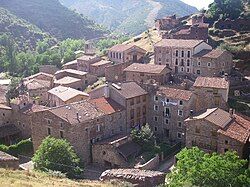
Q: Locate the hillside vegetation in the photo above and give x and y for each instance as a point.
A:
(51, 17)
(23, 33)
(128, 16)
(10, 178)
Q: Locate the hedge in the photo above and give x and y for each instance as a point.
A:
(22, 147)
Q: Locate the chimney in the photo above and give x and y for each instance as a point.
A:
(106, 91)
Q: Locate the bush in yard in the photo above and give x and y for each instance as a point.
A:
(21, 148)
(57, 155)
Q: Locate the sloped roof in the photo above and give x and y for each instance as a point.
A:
(66, 80)
(2, 106)
(107, 105)
(78, 112)
(211, 82)
(87, 57)
(129, 90)
(6, 157)
(121, 47)
(238, 129)
(178, 43)
(128, 149)
(34, 84)
(72, 71)
(39, 74)
(175, 93)
(146, 68)
(66, 93)
(101, 62)
(214, 53)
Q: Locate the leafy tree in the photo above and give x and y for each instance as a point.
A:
(57, 155)
(144, 137)
(13, 89)
(225, 9)
(198, 168)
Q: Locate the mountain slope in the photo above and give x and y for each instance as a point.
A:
(50, 16)
(129, 16)
(23, 33)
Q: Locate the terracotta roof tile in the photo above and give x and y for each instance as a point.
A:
(39, 74)
(34, 84)
(238, 129)
(66, 80)
(175, 93)
(6, 157)
(72, 71)
(214, 53)
(87, 57)
(129, 90)
(178, 43)
(121, 47)
(211, 82)
(102, 62)
(146, 68)
(107, 105)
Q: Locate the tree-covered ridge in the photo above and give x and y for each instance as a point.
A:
(52, 17)
(128, 16)
(24, 34)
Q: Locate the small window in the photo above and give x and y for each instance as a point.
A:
(159, 59)
(188, 62)
(226, 141)
(61, 134)
(199, 63)
(156, 119)
(209, 64)
(189, 54)
(103, 153)
(225, 150)
(49, 121)
(176, 62)
(141, 74)
(181, 103)
(180, 112)
(3, 114)
(179, 135)
(176, 53)
(49, 131)
(182, 53)
(156, 108)
(138, 100)
(132, 102)
(156, 129)
(166, 121)
(182, 69)
(61, 124)
(179, 124)
(86, 81)
(188, 70)
(198, 72)
(156, 98)
(98, 128)
(167, 100)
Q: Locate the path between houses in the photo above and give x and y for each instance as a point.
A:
(153, 13)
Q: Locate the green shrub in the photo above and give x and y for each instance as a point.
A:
(21, 148)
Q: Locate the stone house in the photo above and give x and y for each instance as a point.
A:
(131, 96)
(167, 23)
(75, 79)
(84, 62)
(240, 24)
(49, 69)
(7, 161)
(64, 95)
(37, 90)
(82, 124)
(98, 68)
(169, 107)
(40, 76)
(219, 131)
(211, 63)
(70, 65)
(115, 73)
(142, 73)
(211, 92)
(126, 53)
(178, 54)
(115, 152)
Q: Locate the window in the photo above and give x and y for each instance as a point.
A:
(209, 64)
(182, 62)
(189, 54)
(166, 121)
(225, 150)
(120, 56)
(156, 98)
(181, 103)
(182, 53)
(188, 70)
(180, 112)
(166, 132)
(138, 100)
(176, 62)
(141, 74)
(179, 135)
(132, 115)
(61, 134)
(19, 123)
(138, 112)
(167, 100)
(226, 141)
(156, 108)
(176, 53)
(144, 98)
(223, 64)
(3, 114)
(49, 121)
(156, 129)
(198, 72)
(98, 128)
(199, 63)
(156, 119)
(132, 102)
(179, 124)
(144, 110)
(49, 131)
(197, 130)
(167, 111)
(61, 124)
(182, 69)
(159, 59)
(188, 62)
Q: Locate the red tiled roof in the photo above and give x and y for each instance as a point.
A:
(121, 47)
(32, 108)
(211, 82)
(238, 129)
(214, 53)
(178, 43)
(175, 93)
(101, 62)
(146, 68)
(108, 106)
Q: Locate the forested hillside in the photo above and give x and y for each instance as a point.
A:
(51, 17)
(128, 16)
(23, 33)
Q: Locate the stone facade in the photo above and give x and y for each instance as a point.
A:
(167, 23)
(98, 68)
(115, 73)
(126, 53)
(218, 131)
(240, 24)
(178, 54)
(142, 73)
(84, 62)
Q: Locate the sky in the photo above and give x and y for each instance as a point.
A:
(198, 3)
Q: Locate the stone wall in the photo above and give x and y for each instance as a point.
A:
(240, 24)
(114, 73)
(150, 165)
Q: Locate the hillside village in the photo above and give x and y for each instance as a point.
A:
(181, 89)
